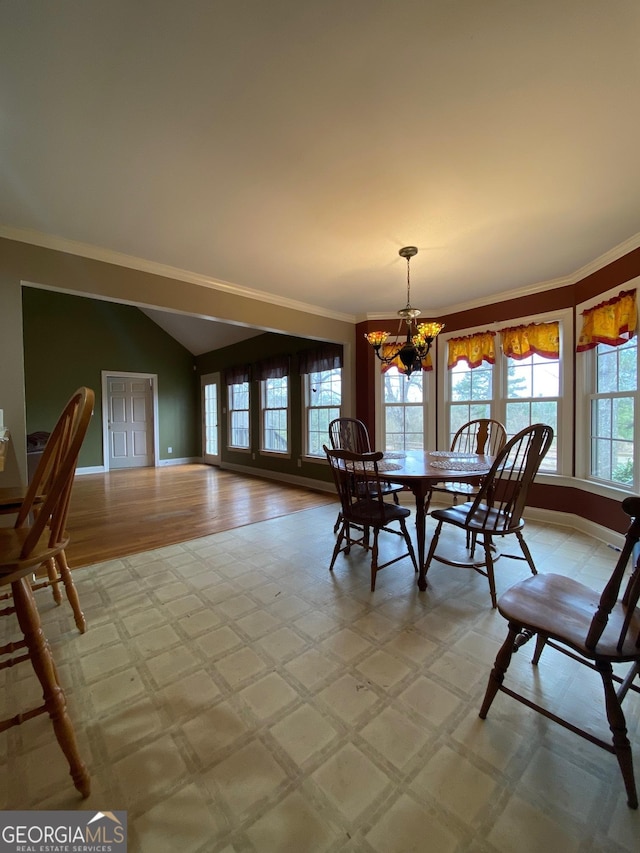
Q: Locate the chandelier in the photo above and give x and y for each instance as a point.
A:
(413, 350)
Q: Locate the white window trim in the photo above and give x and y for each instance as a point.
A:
(428, 405)
(583, 413)
(308, 457)
(565, 413)
(279, 454)
(230, 446)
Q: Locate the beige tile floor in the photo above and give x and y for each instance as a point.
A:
(234, 697)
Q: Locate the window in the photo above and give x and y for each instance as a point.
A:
(403, 404)
(275, 414)
(323, 396)
(612, 403)
(239, 415)
(533, 397)
(471, 393)
(517, 380)
(321, 370)
(607, 359)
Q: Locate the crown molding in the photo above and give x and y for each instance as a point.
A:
(96, 253)
(85, 250)
(604, 260)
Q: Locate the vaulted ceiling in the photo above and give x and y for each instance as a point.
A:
(291, 147)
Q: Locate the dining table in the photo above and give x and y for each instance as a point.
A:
(419, 471)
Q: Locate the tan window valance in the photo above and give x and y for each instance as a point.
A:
(237, 375)
(319, 359)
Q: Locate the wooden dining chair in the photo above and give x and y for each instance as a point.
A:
(497, 509)
(352, 434)
(12, 501)
(599, 630)
(363, 508)
(38, 536)
(482, 435)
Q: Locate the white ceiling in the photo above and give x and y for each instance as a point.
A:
(292, 147)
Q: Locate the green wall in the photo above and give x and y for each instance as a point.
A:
(250, 352)
(70, 340)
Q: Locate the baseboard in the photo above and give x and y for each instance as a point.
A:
(186, 460)
(292, 479)
(545, 516)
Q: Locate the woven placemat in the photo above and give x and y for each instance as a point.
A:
(453, 465)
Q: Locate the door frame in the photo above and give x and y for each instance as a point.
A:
(211, 379)
(105, 412)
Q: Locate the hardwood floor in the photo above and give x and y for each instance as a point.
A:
(125, 512)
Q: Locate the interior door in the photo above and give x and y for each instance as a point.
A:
(210, 405)
(130, 421)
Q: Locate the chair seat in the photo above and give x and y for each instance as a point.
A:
(11, 544)
(368, 512)
(485, 519)
(562, 609)
(389, 488)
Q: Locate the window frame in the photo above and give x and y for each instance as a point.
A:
(428, 405)
(264, 451)
(307, 409)
(585, 392)
(230, 412)
(498, 402)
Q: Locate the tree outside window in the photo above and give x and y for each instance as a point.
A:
(403, 401)
(239, 415)
(612, 404)
(275, 415)
(323, 394)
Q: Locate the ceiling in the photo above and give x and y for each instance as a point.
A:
(292, 147)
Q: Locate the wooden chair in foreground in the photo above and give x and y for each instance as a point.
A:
(483, 435)
(497, 509)
(363, 507)
(12, 501)
(597, 630)
(37, 536)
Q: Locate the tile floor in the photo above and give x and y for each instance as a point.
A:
(234, 697)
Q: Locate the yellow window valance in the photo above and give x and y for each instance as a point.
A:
(612, 322)
(388, 350)
(520, 342)
(474, 349)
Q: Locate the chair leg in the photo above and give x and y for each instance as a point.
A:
(488, 556)
(541, 642)
(52, 574)
(336, 549)
(407, 539)
(432, 547)
(628, 680)
(53, 695)
(526, 552)
(503, 659)
(71, 591)
(618, 728)
(374, 559)
(336, 526)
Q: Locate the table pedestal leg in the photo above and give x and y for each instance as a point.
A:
(422, 497)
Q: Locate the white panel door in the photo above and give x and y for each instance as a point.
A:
(130, 421)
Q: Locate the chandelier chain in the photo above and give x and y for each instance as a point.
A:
(408, 282)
